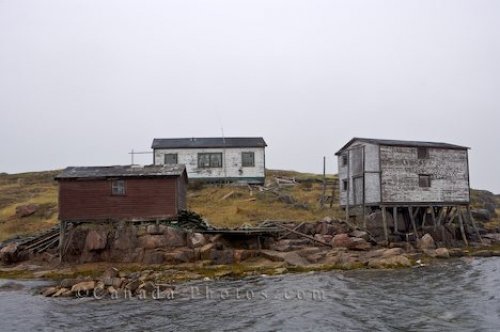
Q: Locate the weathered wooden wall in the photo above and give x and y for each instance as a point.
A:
(145, 198)
(391, 175)
(231, 169)
(401, 167)
(371, 168)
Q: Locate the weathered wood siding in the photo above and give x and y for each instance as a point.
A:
(401, 167)
(145, 198)
(363, 162)
(231, 169)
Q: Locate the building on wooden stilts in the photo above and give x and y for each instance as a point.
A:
(415, 188)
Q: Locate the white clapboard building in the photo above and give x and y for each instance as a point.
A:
(215, 159)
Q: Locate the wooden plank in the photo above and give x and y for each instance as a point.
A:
(384, 224)
(462, 230)
(291, 230)
(395, 218)
(473, 222)
(413, 224)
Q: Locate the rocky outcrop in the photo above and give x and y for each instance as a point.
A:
(9, 253)
(23, 211)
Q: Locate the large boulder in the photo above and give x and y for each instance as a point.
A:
(9, 253)
(96, 240)
(427, 242)
(83, 288)
(196, 240)
(175, 237)
(341, 241)
(390, 262)
(442, 253)
(153, 242)
(23, 211)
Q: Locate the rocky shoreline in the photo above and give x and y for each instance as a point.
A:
(166, 256)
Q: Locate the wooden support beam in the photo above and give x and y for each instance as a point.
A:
(295, 228)
(461, 222)
(413, 224)
(473, 222)
(384, 224)
(291, 230)
(395, 218)
(433, 216)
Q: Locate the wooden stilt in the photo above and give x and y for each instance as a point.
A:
(433, 216)
(384, 222)
(395, 218)
(473, 222)
(413, 224)
(462, 230)
(62, 230)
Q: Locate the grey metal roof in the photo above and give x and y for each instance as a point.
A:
(121, 171)
(208, 142)
(403, 143)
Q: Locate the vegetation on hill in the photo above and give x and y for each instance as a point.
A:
(223, 206)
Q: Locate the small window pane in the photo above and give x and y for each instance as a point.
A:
(207, 160)
(170, 158)
(247, 159)
(345, 185)
(344, 160)
(424, 181)
(118, 187)
(422, 153)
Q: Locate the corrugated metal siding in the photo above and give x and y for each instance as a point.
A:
(144, 198)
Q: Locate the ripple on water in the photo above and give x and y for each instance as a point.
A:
(456, 295)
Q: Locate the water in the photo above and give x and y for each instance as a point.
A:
(456, 295)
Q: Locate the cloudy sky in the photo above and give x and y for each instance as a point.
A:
(84, 82)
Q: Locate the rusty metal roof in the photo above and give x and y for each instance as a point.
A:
(208, 142)
(121, 171)
(390, 142)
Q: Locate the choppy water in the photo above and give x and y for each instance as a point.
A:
(459, 295)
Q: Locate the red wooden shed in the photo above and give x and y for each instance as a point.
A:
(121, 192)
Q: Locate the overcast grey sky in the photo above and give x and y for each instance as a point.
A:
(83, 82)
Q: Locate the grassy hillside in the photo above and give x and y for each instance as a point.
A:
(299, 202)
(19, 189)
(223, 206)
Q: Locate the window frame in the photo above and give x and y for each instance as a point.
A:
(170, 154)
(422, 152)
(424, 181)
(250, 153)
(345, 185)
(344, 160)
(118, 187)
(210, 159)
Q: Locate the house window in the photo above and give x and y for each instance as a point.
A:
(118, 187)
(423, 153)
(170, 158)
(345, 185)
(209, 160)
(247, 159)
(424, 181)
(344, 160)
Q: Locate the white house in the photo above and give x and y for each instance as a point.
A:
(226, 159)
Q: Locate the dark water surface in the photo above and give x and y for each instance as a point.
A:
(458, 295)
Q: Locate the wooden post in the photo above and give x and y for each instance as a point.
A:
(413, 224)
(333, 193)
(62, 230)
(384, 223)
(433, 216)
(473, 222)
(348, 186)
(323, 194)
(395, 218)
(461, 221)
